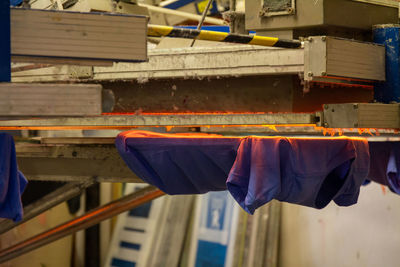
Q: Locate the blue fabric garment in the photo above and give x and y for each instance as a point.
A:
(179, 164)
(12, 181)
(385, 163)
(306, 171)
(393, 174)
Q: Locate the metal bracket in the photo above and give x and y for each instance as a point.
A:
(5, 44)
(277, 8)
(361, 115)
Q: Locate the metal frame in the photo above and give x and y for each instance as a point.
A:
(290, 10)
(85, 221)
(162, 120)
(73, 163)
(187, 63)
(252, 61)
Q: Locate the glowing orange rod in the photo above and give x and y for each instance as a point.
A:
(85, 221)
(164, 120)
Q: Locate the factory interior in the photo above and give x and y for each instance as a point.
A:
(199, 133)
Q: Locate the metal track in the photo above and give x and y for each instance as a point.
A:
(132, 121)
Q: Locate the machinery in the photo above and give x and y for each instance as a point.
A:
(324, 87)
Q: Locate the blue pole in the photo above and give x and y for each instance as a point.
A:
(388, 35)
(5, 46)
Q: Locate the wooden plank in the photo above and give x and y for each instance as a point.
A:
(50, 99)
(73, 35)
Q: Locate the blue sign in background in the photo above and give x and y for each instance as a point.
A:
(214, 234)
(389, 91)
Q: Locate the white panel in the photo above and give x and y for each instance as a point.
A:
(366, 234)
(128, 254)
(138, 223)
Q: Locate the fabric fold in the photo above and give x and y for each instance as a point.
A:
(179, 163)
(12, 181)
(385, 163)
(306, 171)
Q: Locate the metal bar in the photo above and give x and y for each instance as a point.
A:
(203, 16)
(73, 162)
(188, 62)
(5, 43)
(92, 234)
(273, 232)
(187, 15)
(30, 67)
(91, 218)
(132, 121)
(159, 30)
(52, 199)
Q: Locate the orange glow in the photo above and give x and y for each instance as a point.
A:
(369, 87)
(348, 79)
(383, 189)
(274, 127)
(185, 113)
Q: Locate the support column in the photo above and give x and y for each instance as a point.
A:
(389, 35)
(5, 46)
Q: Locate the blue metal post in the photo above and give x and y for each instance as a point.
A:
(5, 46)
(388, 35)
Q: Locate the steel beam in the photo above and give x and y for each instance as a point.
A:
(49, 201)
(188, 63)
(73, 162)
(132, 121)
(89, 219)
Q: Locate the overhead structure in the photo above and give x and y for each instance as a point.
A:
(341, 18)
(50, 99)
(158, 120)
(5, 49)
(60, 37)
(293, 90)
(158, 30)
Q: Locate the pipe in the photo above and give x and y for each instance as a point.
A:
(50, 200)
(203, 16)
(182, 14)
(159, 30)
(89, 219)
